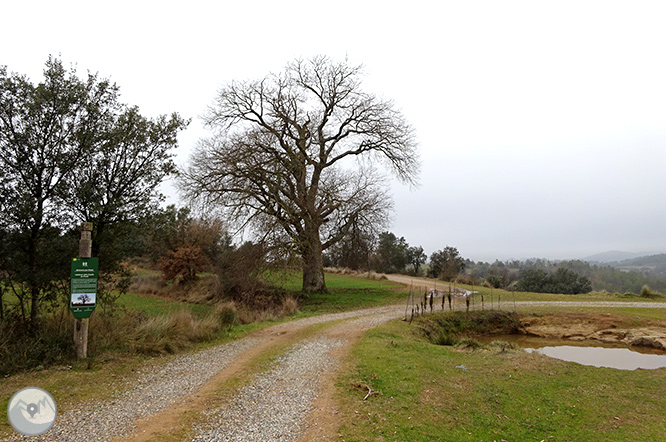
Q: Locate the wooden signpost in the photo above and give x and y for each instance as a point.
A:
(83, 290)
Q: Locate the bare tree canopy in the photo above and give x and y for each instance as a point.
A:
(281, 156)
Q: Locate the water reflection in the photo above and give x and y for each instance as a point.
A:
(592, 353)
(620, 358)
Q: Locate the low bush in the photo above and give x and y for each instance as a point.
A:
(443, 338)
(469, 344)
(646, 292)
(22, 348)
(503, 346)
(448, 327)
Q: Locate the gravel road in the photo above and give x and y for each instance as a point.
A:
(273, 407)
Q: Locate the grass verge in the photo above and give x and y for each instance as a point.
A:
(430, 392)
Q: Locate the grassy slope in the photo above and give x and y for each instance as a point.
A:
(427, 396)
(350, 293)
(345, 293)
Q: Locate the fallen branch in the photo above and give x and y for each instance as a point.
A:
(370, 393)
(360, 386)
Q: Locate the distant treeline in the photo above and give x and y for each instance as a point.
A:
(389, 253)
(602, 277)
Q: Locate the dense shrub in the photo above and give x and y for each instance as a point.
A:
(22, 348)
(185, 262)
(561, 281)
(647, 292)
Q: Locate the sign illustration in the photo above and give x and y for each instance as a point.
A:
(83, 286)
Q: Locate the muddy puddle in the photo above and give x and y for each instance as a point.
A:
(592, 353)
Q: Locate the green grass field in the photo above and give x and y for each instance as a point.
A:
(153, 305)
(351, 293)
(428, 392)
(345, 292)
(509, 296)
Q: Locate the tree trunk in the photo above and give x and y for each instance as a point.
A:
(2, 302)
(313, 264)
(34, 307)
(33, 284)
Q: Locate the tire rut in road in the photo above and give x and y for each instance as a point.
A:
(285, 403)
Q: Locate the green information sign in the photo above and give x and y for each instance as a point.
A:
(83, 286)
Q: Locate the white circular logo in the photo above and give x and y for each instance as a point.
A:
(32, 411)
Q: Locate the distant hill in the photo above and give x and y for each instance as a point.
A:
(615, 256)
(652, 264)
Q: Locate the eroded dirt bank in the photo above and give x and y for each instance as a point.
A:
(597, 327)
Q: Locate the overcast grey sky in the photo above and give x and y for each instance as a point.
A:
(542, 125)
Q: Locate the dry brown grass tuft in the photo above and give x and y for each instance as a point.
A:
(179, 330)
(287, 307)
(148, 285)
(171, 333)
(359, 273)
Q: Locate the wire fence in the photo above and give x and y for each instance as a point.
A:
(423, 300)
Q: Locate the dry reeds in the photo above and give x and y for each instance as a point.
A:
(286, 307)
(359, 273)
(178, 330)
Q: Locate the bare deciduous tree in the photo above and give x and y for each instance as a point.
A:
(282, 152)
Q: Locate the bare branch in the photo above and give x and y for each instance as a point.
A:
(279, 146)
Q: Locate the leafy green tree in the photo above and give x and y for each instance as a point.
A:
(354, 250)
(416, 257)
(118, 184)
(561, 281)
(69, 149)
(601, 277)
(532, 280)
(499, 276)
(171, 228)
(44, 131)
(391, 253)
(162, 230)
(446, 264)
